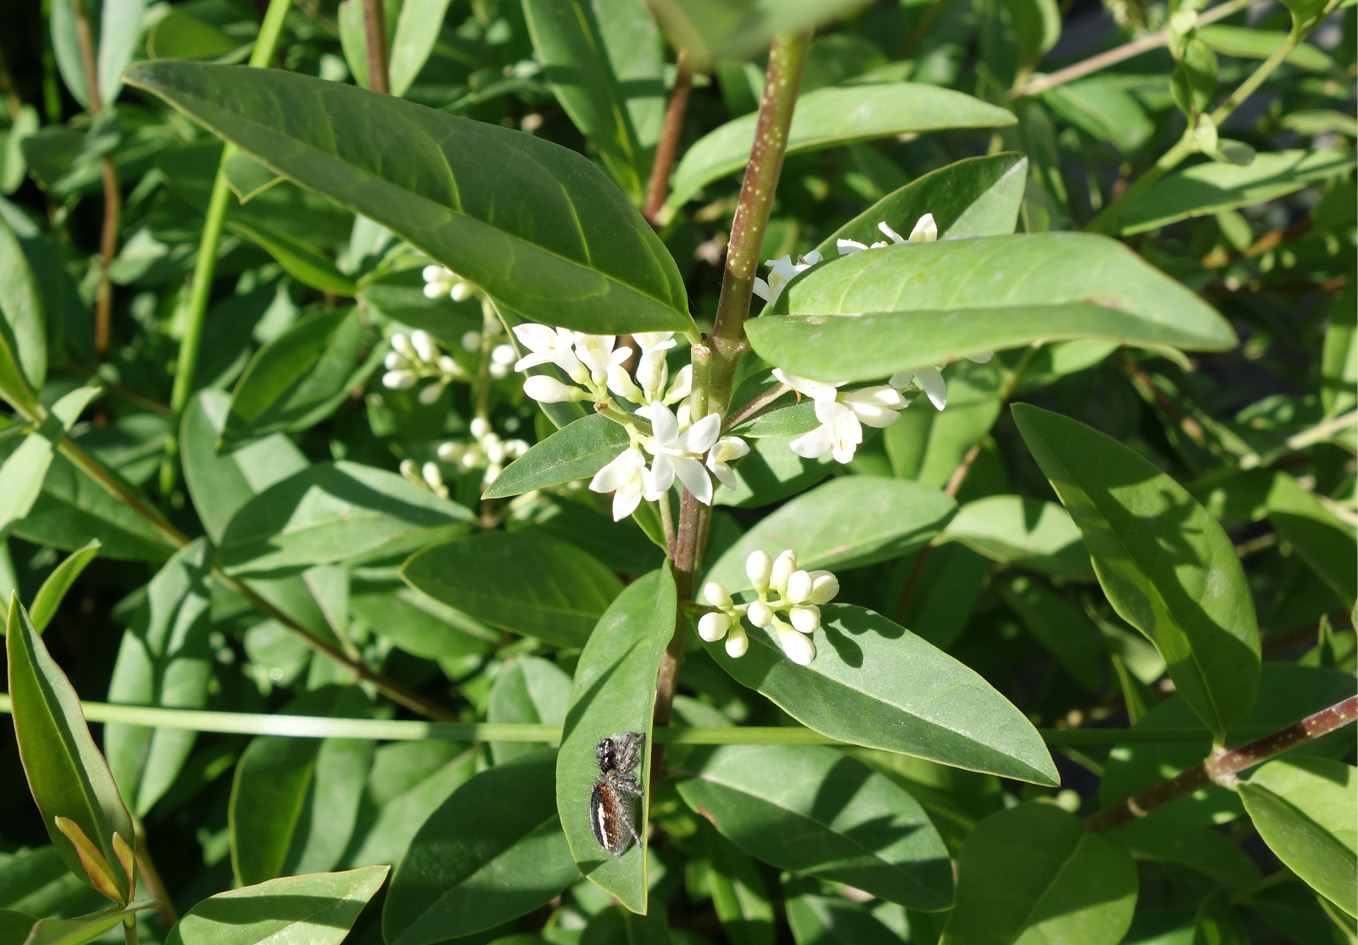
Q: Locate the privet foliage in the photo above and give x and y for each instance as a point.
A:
(928, 427)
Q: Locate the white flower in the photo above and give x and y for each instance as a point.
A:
(620, 383)
(781, 272)
(596, 353)
(680, 454)
(925, 231)
(549, 346)
(548, 390)
(681, 386)
(725, 450)
(842, 416)
(930, 380)
(438, 281)
(879, 406)
(625, 477)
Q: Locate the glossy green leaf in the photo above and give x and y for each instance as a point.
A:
(771, 471)
(568, 42)
(1328, 545)
(1218, 923)
(876, 684)
(178, 35)
(614, 694)
(573, 253)
(353, 36)
(491, 852)
(298, 378)
(833, 116)
(1166, 565)
(303, 261)
(820, 919)
(919, 304)
(814, 810)
(826, 527)
(1252, 42)
(1029, 533)
(23, 472)
(165, 659)
(294, 801)
(636, 54)
(317, 909)
(120, 31)
(1032, 875)
(576, 451)
(417, 32)
(1306, 809)
(1102, 108)
(740, 897)
(421, 625)
(54, 588)
(1061, 628)
(23, 330)
(1213, 187)
(66, 773)
(333, 512)
(739, 29)
(530, 690)
(522, 581)
(615, 924)
(85, 928)
(950, 583)
(1339, 357)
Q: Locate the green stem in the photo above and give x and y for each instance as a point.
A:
(206, 266)
(1257, 77)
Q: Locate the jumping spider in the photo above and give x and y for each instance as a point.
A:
(610, 801)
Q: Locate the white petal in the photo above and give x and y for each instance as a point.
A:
(815, 444)
(620, 383)
(846, 247)
(931, 382)
(761, 289)
(876, 406)
(681, 386)
(888, 231)
(536, 337)
(816, 390)
(664, 427)
(658, 478)
(809, 260)
(548, 390)
(700, 437)
(622, 469)
(625, 502)
(693, 475)
(925, 231)
(982, 358)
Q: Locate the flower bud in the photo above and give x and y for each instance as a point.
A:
(471, 341)
(430, 473)
(410, 469)
(479, 427)
(798, 648)
(717, 595)
(738, 643)
(799, 587)
(394, 361)
(925, 231)
(430, 395)
(450, 452)
(425, 347)
(760, 614)
(824, 587)
(548, 390)
(449, 366)
(805, 618)
(402, 344)
(399, 380)
(462, 291)
(783, 566)
(758, 567)
(712, 627)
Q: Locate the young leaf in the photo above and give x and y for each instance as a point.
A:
(491, 852)
(613, 695)
(876, 684)
(318, 909)
(54, 588)
(1166, 565)
(918, 304)
(66, 773)
(529, 690)
(1306, 809)
(1327, 545)
(23, 329)
(1032, 873)
(817, 918)
(574, 253)
(814, 810)
(31, 930)
(23, 472)
(576, 451)
(417, 32)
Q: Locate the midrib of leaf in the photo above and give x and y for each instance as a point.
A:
(1330, 840)
(516, 839)
(1051, 884)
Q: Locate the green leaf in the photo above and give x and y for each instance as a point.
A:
(530, 690)
(1251, 42)
(577, 450)
(120, 28)
(771, 471)
(54, 588)
(491, 852)
(712, 30)
(318, 909)
(1305, 13)
(1306, 809)
(814, 810)
(572, 252)
(23, 328)
(739, 895)
(417, 32)
(294, 801)
(298, 378)
(421, 625)
(614, 694)
(1328, 545)
(1166, 565)
(1059, 627)
(165, 659)
(568, 42)
(833, 116)
(919, 304)
(23, 472)
(178, 35)
(66, 773)
(876, 684)
(333, 512)
(928, 445)
(522, 581)
(816, 919)
(304, 262)
(1212, 187)
(1032, 875)
(86, 928)
(1339, 358)
(826, 527)
(1102, 108)
(1029, 533)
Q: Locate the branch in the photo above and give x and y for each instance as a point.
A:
(375, 38)
(668, 144)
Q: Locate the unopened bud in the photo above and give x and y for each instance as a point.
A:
(799, 587)
(717, 595)
(783, 566)
(425, 347)
(548, 390)
(738, 643)
(824, 587)
(758, 567)
(399, 380)
(712, 627)
(805, 618)
(760, 614)
(798, 647)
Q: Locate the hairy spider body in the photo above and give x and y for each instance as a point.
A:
(611, 798)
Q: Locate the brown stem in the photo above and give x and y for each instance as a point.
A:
(155, 887)
(668, 144)
(755, 406)
(375, 38)
(1222, 768)
(1140, 379)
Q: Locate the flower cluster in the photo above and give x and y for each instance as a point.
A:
(595, 365)
(485, 451)
(781, 588)
(440, 281)
(415, 358)
(781, 271)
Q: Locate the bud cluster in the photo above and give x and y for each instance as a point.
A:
(788, 603)
(414, 358)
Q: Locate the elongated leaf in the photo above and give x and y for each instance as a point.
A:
(1306, 809)
(524, 582)
(1032, 875)
(23, 472)
(818, 918)
(740, 896)
(66, 773)
(531, 690)
(1213, 186)
(534, 225)
(929, 445)
(304, 262)
(335, 512)
(1102, 108)
(165, 659)
(1029, 533)
(919, 304)
(1059, 627)
(814, 810)
(491, 852)
(1328, 545)
(120, 29)
(23, 329)
(317, 909)
(577, 450)
(1167, 567)
(831, 116)
(614, 695)
(54, 588)
(826, 527)
(417, 31)
(876, 684)
(85, 928)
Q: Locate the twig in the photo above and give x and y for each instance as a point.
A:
(375, 38)
(1191, 428)
(668, 144)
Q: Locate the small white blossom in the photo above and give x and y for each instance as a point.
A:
(797, 646)
(471, 341)
(799, 587)
(842, 416)
(548, 345)
(925, 231)
(783, 566)
(681, 386)
(680, 454)
(930, 380)
(782, 589)
(625, 477)
(430, 395)
(426, 350)
(548, 390)
(597, 354)
(723, 453)
(781, 272)
(760, 614)
(824, 587)
(717, 595)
